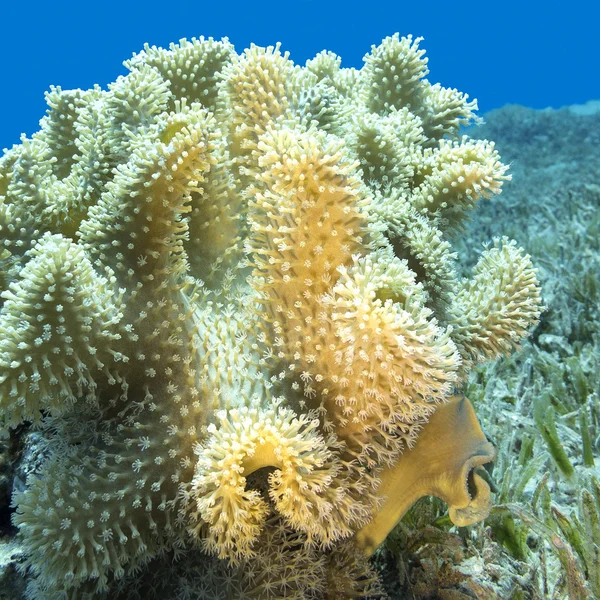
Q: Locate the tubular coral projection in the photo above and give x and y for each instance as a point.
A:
(231, 309)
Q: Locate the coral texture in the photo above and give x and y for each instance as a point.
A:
(230, 292)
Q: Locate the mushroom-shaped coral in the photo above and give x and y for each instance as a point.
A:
(229, 292)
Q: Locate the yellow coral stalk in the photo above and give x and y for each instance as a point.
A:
(443, 463)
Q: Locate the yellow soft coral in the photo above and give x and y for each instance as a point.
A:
(244, 268)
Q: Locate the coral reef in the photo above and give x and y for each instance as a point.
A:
(232, 310)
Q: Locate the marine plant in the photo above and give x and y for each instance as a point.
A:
(232, 309)
(540, 406)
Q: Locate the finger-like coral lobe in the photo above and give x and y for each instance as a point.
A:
(230, 300)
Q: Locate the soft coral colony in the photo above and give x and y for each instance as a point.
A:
(232, 309)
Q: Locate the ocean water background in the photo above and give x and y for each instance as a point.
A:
(534, 53)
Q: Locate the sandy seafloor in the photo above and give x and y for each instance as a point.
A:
(540, 407)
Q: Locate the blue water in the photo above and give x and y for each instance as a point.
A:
(498, 52)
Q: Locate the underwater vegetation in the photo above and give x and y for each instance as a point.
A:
(540, 407)
(246, 326)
